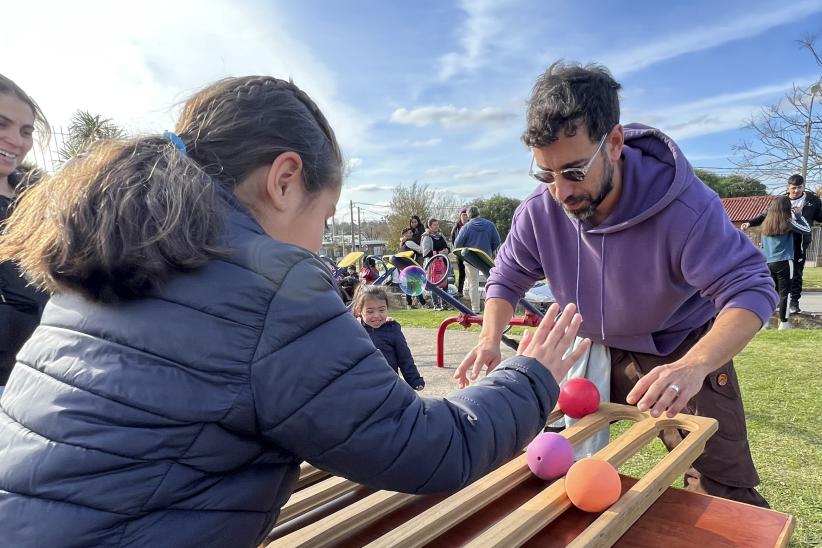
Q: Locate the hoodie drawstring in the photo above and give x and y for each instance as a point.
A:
(601, 289)
(579, 246)
(601, 279)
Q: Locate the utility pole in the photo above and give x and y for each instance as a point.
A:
(814, 90)
(351, 205)
(359, 230)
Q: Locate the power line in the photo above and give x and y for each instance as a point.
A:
(373, 205)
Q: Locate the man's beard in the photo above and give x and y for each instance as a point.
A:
(606, 185)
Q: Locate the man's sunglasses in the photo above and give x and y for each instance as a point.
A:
(573, 174)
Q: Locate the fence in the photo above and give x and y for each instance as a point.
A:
(813, 255)
(46, 155)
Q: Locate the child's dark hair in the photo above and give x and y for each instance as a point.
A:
(120, 220)
(365, 292)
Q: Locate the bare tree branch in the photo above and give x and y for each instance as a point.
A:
(809, 43)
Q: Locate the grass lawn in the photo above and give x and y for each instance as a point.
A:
(782, 389)
(812, 277)
(781, 382)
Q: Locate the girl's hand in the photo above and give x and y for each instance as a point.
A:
(420, 388)
(552, 339)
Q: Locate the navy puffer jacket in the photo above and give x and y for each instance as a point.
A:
(180, 419)
(390, 340)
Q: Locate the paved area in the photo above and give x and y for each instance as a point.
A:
(423, 344)
(811, 302)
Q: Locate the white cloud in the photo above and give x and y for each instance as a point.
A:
(709, 36)
(353, 164)
(369, 188)
(424, 142)
(482, 30)
(442, 171)
(450, 116)
(711, 114)
(482, 173)
(137, 69)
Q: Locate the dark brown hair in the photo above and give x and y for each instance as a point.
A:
(567, 95)
(778, 219)
(120, 220)
(796, 180)
(365, 292)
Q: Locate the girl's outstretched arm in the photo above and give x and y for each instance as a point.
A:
(322, 392)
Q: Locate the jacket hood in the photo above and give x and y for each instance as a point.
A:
(663, 174)
(481, 224)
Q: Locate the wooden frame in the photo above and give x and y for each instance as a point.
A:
(331, 525)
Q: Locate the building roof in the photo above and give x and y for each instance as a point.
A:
(746, 208)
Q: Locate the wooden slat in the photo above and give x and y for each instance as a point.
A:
(309, 475)
(338, 526)
(439, 518)
(785, 536)
(314, 496)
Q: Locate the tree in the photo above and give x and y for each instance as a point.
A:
(499, 210)
(742, 185)
(423, 201)
(730, 186)
(709, 178)
(777, 142)
(84, 129)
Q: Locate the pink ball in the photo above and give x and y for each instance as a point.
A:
(549, 456)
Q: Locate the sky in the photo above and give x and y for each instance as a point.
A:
(429, 91)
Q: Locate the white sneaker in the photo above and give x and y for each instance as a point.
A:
(785, 325)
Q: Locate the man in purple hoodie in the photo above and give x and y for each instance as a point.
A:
(621, 226)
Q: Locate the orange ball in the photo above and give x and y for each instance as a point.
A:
(592, 485)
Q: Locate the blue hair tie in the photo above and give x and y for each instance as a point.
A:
(176, 141)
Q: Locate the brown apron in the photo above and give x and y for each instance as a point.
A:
(726, 468)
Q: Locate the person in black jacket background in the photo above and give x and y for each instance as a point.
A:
(371, 307)
(807, 204)
(20, 303)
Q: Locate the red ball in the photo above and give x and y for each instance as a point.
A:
(578, 397)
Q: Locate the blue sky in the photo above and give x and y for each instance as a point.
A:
(427, 91)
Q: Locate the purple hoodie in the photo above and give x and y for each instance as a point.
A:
(663, 263)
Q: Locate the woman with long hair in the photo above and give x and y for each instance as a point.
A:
(20, 303)
(778, 229)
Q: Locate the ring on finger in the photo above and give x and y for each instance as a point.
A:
(675, 388)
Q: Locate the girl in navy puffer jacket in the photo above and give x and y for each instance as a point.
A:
(371, 307)
(196, 350)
